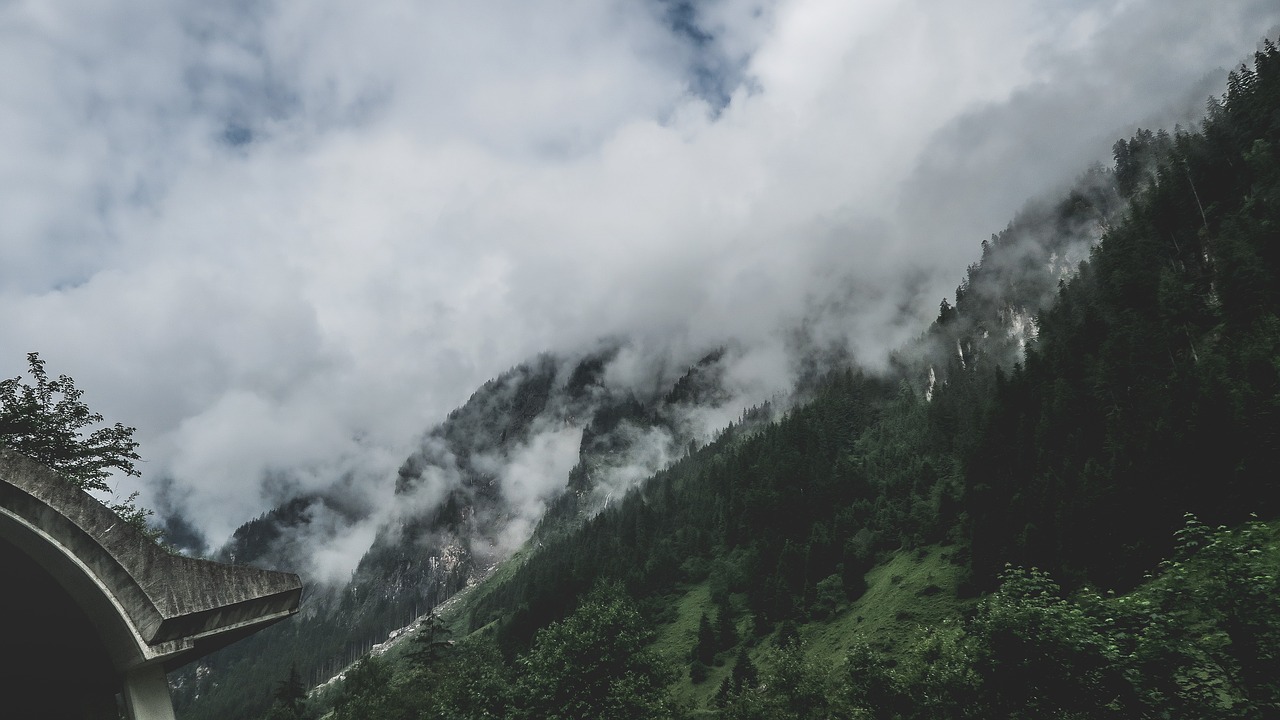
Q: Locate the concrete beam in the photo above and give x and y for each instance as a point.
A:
(151, 611)
(146, 694)
(178, 608)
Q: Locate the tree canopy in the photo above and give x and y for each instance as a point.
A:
(47, 422)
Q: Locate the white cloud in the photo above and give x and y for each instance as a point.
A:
(295, 234)
(530, 477)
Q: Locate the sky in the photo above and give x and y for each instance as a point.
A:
(282, 239)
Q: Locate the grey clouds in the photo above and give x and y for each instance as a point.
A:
(282, 239)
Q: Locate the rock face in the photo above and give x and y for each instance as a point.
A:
(532, 452)
(463, 499)
(84, 588)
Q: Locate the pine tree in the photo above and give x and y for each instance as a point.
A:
(745, 675)
(431, 643)
(704, 651)
(726, 631)
(290, 698)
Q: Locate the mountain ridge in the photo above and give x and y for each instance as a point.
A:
(1074, 442)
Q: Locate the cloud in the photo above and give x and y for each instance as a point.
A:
(288, 237)
(530, 476)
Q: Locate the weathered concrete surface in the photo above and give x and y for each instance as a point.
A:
(150, 607)
(146, 694)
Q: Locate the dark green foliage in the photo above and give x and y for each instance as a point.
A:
(46, 422)
(290, 699)
(1199, 639)
(774, 505)
(790, 688)
(704, 650)
(1153, 388)
(867, 689)
(468, 681)
(369, 693)
(725, 629)
(1205, 636)
(594, 664)
(474, 683)
(795, 685)
(830, 595)
(431, 642)
(745, 675)
(1043, 656)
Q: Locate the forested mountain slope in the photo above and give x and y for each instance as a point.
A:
(1153, 389)
(543, 446)
(1108, 366)
(1149, 390)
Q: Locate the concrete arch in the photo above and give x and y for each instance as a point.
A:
(149, 611)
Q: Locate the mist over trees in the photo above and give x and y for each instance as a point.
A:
(1088, 435)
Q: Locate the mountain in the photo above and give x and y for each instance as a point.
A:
(460, 511)
(540, 448)
(997, 526)
(1148, 390)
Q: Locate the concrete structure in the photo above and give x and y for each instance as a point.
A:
(92, 611)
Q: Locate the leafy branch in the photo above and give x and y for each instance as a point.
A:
(47, 420)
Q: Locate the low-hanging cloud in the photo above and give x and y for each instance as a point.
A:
(290, 236)
(529, 476)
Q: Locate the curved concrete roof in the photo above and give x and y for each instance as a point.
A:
(150, 606)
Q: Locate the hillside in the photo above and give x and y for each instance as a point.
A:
(1062, 417)
(539, 448)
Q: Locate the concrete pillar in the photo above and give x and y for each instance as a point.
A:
(146, 694)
